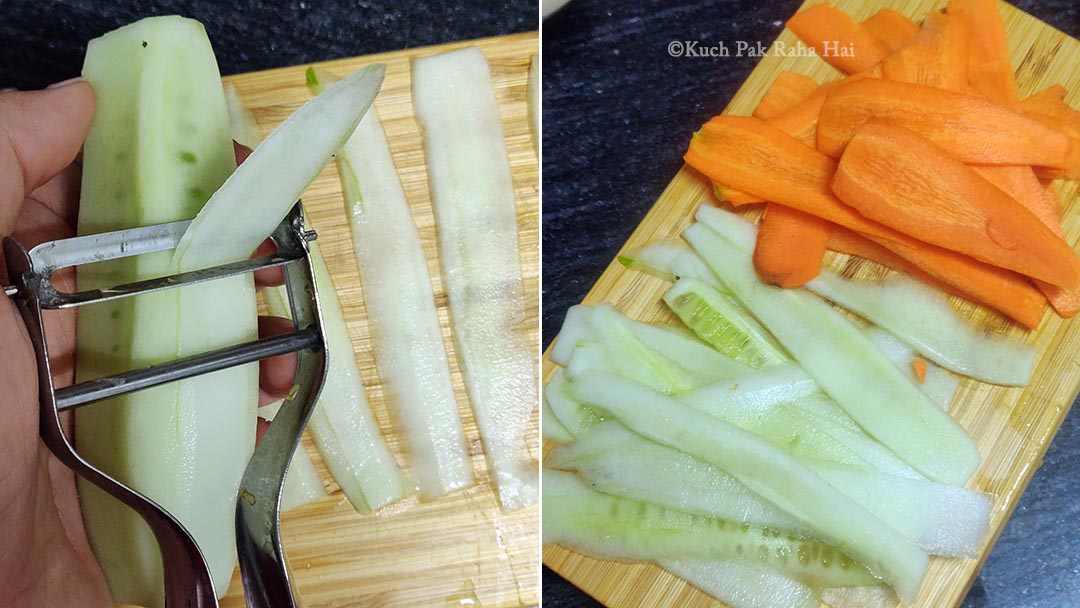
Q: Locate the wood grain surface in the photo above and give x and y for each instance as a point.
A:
(1012, 426)
(458, 550)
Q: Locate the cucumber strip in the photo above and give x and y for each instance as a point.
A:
(574, 417)
(158, 147)
(534, 102)
(942, 519)
(342, 425)
(255, 198)
(847, 366)
(473, 197)
(574, 330)
(550, 426)
(722, 323)
(766, 469)
(302, 482)
(703, 363)
(617, 461)
(940, 384)
(744, 585)
(921, 317)
(245, 131)
(860, 597)
(612, 527)
(406, 336)
(744, 399)
(668, 259)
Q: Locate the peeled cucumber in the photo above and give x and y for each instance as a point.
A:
(741, 585)
(158, 148)
(607, 526)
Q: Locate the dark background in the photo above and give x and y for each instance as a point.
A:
(618, 112)
(43, 41)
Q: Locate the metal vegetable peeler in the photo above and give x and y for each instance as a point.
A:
(187, 578)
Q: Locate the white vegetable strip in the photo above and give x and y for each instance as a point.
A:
(342, 425)
(940, 384)
(302, 482)
(183, 444)
(755, 392)
(765, 469)
(580, 518)
(847, 366)
(922, 317)
(618, 461)
(255, 198)
(473, 197)
(405, 331)
(740, 585)
(669, 259)
(942, 519)
(573, 416)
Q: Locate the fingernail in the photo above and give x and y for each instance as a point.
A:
(8, 90)
(64, 83)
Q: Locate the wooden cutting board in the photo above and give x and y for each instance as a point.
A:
(459, 550)
(1012, 426)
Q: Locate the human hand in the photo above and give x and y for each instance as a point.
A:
(45, 559)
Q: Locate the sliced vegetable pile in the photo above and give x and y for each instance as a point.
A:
(777, 451)
(924, 159)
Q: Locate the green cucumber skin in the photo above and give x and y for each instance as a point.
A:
(614, 527)
(158, 148)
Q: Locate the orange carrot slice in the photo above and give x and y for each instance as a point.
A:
(937, 57)
(893, 176)
(1001, 290)
(1021, 184)
(786, 91)
(790, 246)
(892, 28)
(989, 69)
(842, 43)
(785, 94)
(758, 158)
(1048, 107)
(974, 129)
(919, 367)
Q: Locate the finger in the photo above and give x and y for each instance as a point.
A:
(40, 134)
(268, 277)
(276, 374)
(61, 194)
(241, 151)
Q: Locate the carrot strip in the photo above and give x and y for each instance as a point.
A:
(1021, 184)
(919, 367)
(937, 57)
(989, 69)
(760, 159)
(842, 43)
(892, 28)
(893, 176)
(1001, 290)
(786, 91)
(1048, 107)
(796, 106)
(975, 130)
(790, 246)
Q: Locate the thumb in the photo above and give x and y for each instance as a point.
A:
(40, 134)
